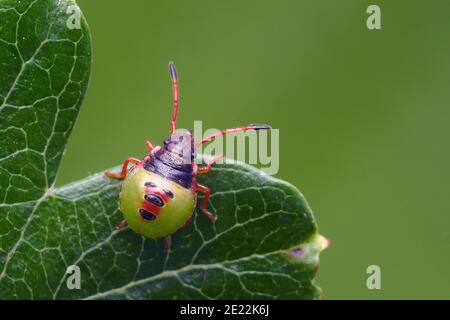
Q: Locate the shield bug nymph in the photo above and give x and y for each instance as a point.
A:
(159, 192)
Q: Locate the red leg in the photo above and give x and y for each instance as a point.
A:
(123, 173)
(149, 145)
(121, 225)
(207, 168)
(168, 244)
(234, 130)
(203, 208)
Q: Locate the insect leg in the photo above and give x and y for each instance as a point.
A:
(123, 173)
(167, 243)
(234, 130)
(149, 145)
(121, 225)
(204, 202)
(207, 168)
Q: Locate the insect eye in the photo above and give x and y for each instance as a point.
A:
(150, 184)
(147, 215)
(156, 200)
(168, 193)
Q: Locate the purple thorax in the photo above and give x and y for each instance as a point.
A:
(174, 160)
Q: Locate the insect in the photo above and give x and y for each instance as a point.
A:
(159, 193)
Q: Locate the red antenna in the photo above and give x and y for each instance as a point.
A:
(173, 76)
(234, 130)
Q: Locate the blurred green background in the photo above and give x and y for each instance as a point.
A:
(363, 115)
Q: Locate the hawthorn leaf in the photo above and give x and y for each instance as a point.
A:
(264, 245)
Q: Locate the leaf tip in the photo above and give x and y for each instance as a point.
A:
(308, 253)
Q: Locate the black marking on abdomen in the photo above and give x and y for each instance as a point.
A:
(168, 193)
(150, 184)
(147, 215)
(153, 198)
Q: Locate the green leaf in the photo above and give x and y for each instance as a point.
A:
(264, 244)
(44, 68)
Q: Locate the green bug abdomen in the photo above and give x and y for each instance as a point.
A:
(154, 206)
